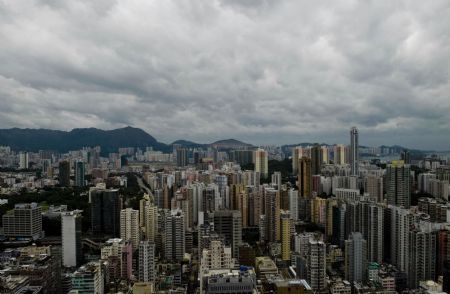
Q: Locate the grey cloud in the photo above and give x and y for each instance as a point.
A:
(264, 71)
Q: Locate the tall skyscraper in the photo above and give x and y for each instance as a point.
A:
(129, 226)
(228, 223)
(64, 174)
(316, 265)
(243, 207)
(243, 157)
(422, 255)
(25, 221)
(182, 157)
(126, 270)
(316, 161)
(94, 157)
(147, 262)
(24, 160)
(79, 174)
(71, 238)
(297, 153)
(325, 154)
(150, 222)
(293, 204)
(339, 152)
(339, 213)
(398, 184)
(401, 222)
(405, 156)
(354, 154)
(106, 205)
(174, 233)
(285, 235)
(304, 177)
(330, 204)
(374, 186)
(272, 212)
(260, 159)
(356, 258)
(318, 210)
(276, 180)
(371, 225)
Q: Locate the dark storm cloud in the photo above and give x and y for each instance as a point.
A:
(264, 71)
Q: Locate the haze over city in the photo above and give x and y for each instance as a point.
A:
(264, 72)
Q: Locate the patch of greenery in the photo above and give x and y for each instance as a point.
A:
(74, 198)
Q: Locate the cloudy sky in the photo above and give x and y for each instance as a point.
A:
(284, 71)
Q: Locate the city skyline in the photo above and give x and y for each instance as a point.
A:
(252, 70)
(321, 142)
(224, 146)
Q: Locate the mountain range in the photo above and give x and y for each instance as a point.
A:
(109, 140)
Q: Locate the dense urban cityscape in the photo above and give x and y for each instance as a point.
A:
(224, 147)
(228, 217)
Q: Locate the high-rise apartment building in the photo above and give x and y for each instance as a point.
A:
(182, 157)
(119, 254)
(293, 204)
(325, 154)
(304, 177)
(354, 153)
(228, 223)
(405, 156)
(356, 258)
(24, 221)
(285, 224)
(276, 180)
(316, 265)
(79, 174)
(147, 262)
(339, 152)
(129, 226)
(174, 235)
(316, 160)
(71, 238)
(272, 212)
(64, 174)
(339, 224)
(318, 210)
(150, 222)
(126, 269)
(24, 160)
(297, 153)
(106, 205)
(217, 256)
(373, 185)
(371, 225)
(401, 221)
(261, 159)
(422, 255)
(331, 203)
(398, 184)
(243, 207)
(243, 157)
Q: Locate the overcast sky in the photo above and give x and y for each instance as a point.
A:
(283, 71)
